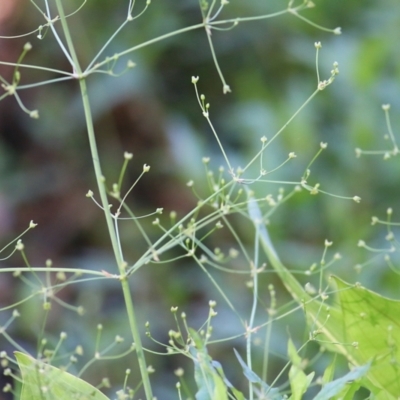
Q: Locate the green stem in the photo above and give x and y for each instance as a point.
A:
(104, 201)
(118, 256)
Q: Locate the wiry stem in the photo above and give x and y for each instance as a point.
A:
(104, 200)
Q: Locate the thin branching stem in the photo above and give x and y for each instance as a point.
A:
(104, 200)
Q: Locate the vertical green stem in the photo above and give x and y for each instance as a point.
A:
(118, 258)
(104, 201)
(254, 306)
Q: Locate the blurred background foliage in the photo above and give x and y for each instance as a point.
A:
(152, 111)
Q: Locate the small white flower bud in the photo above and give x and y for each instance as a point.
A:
(226, 89)
(34, 114)
(309, 288)
(130, 64)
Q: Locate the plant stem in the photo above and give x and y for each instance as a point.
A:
(118, 257)
(104, 201)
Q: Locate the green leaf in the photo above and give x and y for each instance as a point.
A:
(237, 393)
(335, 387)
(209, 382)
(329, 371)
(220, 390)
(371, 322)
(362, 325)
(299, 381)
(349, 391)
(272, 393)
(42, 381)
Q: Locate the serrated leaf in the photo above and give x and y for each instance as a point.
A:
(41, 381)
(372, 323)
(362, 325)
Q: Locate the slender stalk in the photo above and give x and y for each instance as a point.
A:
(35, 67)
(147, 43)
(120, 262)
(104, 200)
(254, 306)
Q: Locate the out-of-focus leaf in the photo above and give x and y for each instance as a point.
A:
(208, 374)
(329, 371)
(335, 387)
(362, 325)
(237, 393)
(299, 381)
(42, 381)
(371, 322)
(273, 393)
(349, 391)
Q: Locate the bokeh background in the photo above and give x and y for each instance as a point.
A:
(152, 111)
